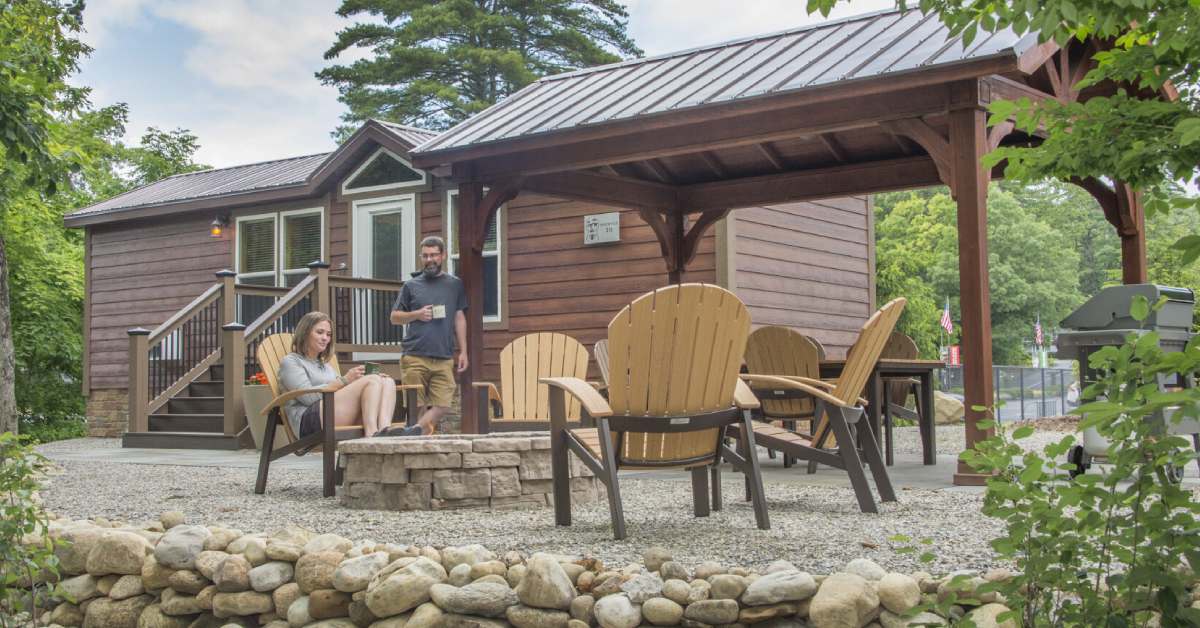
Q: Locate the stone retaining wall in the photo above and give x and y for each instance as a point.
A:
(456, 471)
(168, 574)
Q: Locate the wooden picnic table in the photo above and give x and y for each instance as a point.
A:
(888, 368)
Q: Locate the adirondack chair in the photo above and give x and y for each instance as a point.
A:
(600, 352)
(520, 402)
(839, 409)
(775, 350)
(897, 389)
(271, 352)
(673, 389)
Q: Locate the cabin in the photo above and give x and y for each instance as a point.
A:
(190, 271)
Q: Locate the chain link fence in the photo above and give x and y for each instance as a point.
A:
(1022, 392)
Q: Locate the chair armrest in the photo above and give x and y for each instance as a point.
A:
(598, 385)
(292, 394)
(822, 383)
(743, 397)
(493, 392)
(792, 384)
(593, 403)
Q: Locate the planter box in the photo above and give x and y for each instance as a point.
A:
(255, 397)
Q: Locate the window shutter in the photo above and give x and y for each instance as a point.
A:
(302, 240)
(257, 246)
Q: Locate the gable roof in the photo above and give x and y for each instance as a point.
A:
(852, 49)
(303, 174)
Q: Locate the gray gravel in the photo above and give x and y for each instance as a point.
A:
(817, 528)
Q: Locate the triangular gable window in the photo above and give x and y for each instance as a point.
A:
(384, 170)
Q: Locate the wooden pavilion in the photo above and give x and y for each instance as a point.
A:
(874, 103)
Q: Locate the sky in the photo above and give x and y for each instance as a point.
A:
(239, 73)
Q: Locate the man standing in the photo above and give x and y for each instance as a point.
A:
(432, 304)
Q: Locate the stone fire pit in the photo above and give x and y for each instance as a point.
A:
(510, 470)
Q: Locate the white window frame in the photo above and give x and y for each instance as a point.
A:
(278, 217)
(452, 255)
(362, 211)
(422, 182)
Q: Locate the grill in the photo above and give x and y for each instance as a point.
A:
(1104, 321)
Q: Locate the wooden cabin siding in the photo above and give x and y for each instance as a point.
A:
(807, 265)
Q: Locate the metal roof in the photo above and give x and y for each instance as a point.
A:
(279, 173)
(855, 48)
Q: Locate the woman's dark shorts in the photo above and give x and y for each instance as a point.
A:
(310, 421)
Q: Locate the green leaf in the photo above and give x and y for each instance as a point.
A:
(1139, 308)
(1022, 432)
(1188, 130)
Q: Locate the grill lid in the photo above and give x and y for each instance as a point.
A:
(1109, 309)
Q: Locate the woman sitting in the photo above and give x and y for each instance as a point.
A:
(369, 399)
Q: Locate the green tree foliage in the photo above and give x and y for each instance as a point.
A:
(433, 63)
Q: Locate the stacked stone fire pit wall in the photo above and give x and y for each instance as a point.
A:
(456, 471)
(192, 576)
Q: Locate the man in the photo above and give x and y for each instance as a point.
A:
(432, 305)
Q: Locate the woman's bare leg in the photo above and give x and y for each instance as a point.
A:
(387, 402)
(348, 403)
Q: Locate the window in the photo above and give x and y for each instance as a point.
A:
(275, 249)
(383, 171)
(492, 286)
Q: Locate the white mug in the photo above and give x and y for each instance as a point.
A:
(439, 311)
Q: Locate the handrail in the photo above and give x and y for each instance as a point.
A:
(179, 318)
(261, 291)
(298, 292)
(363, 282)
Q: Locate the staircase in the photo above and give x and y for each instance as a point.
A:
(193, 419)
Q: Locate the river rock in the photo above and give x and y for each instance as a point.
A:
(465, 555)
(233, 574)
(80, 588)
(488, 568)
(171, 518)
(760, 614)
(888, 619)
(208, 561)
(662, 612)
(220, 538)
(677, 591)
(67, 614)
(78, 541)
(297, 613)
(284, 596)
(698, 590)
(708, 568)
(328, 603)
(898, 592)
(282, 550)
(523, 616)
(866, 568)
(205, 597)
(127, 587)
(642, 587)
(713, 611)
(405, 588)
(187, 581)
(427, 615)
(459, 576)
(356, 573)
(270, 576)
(328, 543)
(726, 586)
(178, 548)
(986, 616)
(176, 604)
(843, 600)
(315, 571)
(118, 552)
(583, 608)
(655, 557)
(545, 584)
(780, 586)
(241, 603)
(488, 599)
(106, 613)
(153, 617)
(616, 611)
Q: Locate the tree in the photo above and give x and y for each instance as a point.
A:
(38, 51)
(436, 62)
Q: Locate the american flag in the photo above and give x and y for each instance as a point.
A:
(946, 323)
(1037, 331)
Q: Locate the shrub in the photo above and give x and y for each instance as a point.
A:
(41, 428)
(25, 545)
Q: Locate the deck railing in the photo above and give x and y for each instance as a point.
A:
(361, 312)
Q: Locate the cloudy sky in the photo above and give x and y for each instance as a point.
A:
(239, 73)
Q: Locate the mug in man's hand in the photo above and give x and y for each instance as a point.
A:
(439, 311)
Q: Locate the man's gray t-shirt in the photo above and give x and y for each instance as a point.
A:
(434, 338)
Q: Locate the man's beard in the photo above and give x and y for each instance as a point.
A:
(433, 270)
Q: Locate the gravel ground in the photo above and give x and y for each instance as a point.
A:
(817, 528)
(951, 439)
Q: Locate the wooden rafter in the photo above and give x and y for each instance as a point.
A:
(659, 170)
(599, 188)
(714, 164)
(768, 150)
(835, 147)
(934, 143)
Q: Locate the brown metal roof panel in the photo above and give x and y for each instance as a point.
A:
(761, 79)
(872, 42)
(813, 53)
(897, 37)
(452, 136)
(905, 54)
(728, 70)
(638, 78)
(634, 101)
(776, 49)
(497, 125)
(682, 84)
(554, 114)
(817, 72)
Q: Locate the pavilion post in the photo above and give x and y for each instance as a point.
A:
(1133, 234)
(470, 271)
(969, 142)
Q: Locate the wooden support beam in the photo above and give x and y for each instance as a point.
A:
(662, 232)
(715, 164)
(835, 147)
(605, 189)
(659, 170)
(968, 137)
(802, 185)
(679, 246)
(695, 233)
(1123, 209)
(934, 143)
(768, 150)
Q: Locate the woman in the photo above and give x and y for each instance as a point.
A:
(358, 398)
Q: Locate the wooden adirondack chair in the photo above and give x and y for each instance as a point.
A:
(600, 352)
(839, 409)
(270, 354)
(776, 350)
(673, 388)
(520, 402)
(897, 389)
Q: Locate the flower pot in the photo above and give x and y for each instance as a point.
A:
(254, 398)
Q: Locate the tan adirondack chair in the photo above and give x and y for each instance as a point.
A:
(270, 354)
(776, 350)
(897, 389)
(520, 402)
(600, 352)
(839, 409)
(673, 388)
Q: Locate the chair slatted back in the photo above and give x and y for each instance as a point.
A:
(675, 351)
(529, 357)
(899, 347)
(600, 352)
(865, 353)
(820, 347)
(270, 354)
(775, 350)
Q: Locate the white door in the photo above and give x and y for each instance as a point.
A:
(385, 234)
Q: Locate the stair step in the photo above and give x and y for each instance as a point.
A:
(179, 440)
(196, 405)
(199, 423)
(206, 389)
(216, 372)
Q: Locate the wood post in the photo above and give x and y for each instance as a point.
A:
(969, 142)
(139, 388)
(321, 294)
(470, 271)
(1124, 210)
(228, 280)
(233, 358)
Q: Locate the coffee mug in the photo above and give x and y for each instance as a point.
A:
(439, 311)
(371, 368)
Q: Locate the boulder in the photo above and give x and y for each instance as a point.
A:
(284, 596)
(465, 555)
(655, 557)
(866, 568)
(487, 599)
(241, 603)
(153, 617)
(662, 612)
(177, 604)
(986, 616)
(642, 587)
(208, 561)
(898, 592)
(282, 550)
(356, 573)
(297, 613)
(67, 614)
(523, 616)
(708, 568)
(80, 588)
(190, 582)
(127, 587)
(171, 518)
(713, 612)
(404, 589)
(843, 600)
(946, 409)
(726, 586)
(780, 565)
(328, 543)
(698, 590)
(677, 591)
(106, 613)
(178, 548)
(672, 570)
(78, 541)
(616, 611)
(460, 575)
(205, 597)
(545, 584)
(427, 615)
(118, 552)
(220, 538)
(328, 603)
(780, 586)
(760, 614)
(888, 619)
(233, 574)
(270, 576)
(315, 571)
(489, 568)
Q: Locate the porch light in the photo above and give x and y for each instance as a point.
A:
(218, 226)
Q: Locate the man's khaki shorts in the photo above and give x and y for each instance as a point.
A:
(436, 375)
